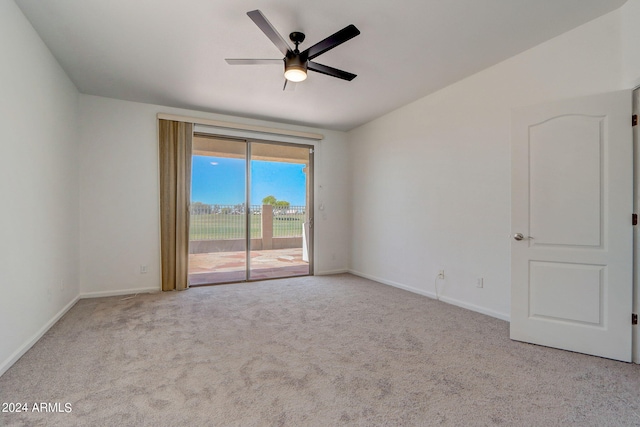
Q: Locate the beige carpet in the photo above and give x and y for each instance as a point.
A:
(309, 351)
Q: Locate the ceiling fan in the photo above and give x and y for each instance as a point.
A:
(296, 63)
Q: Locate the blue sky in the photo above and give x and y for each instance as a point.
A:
(217, 180)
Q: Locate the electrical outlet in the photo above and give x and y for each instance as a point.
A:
(143, 269)
(441, 274)
(480, 283)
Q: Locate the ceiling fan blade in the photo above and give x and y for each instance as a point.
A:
(330, 71)
(254, 61)
(266, 27)
(345, 34)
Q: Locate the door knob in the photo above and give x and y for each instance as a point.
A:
(518, 236)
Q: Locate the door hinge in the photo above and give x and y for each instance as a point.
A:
(634, 219)
(634, 120)
(634, 319)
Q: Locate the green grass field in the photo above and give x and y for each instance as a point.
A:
(226, 226)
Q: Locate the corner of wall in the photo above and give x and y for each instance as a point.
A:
(39, 254)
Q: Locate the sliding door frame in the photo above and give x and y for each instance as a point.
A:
(247, 211)
(309, 196)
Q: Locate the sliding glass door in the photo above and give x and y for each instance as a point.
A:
(280, 178)
(218, 229)
(250, 210)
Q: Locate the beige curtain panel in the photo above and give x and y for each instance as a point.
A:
(175, 192)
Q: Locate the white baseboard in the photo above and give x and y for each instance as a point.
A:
(6, 364)
(119, 292)
(432, 295)
(328, 272)
(429, 294)
(476, 308)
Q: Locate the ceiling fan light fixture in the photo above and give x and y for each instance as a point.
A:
(295, 74)
(295, 69)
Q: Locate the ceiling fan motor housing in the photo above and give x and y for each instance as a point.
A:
(294, 60)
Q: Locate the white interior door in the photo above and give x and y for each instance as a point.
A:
(572, 245)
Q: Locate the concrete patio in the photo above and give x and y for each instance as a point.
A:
(225, 267)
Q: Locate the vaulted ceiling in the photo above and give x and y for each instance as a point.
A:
(172, 52)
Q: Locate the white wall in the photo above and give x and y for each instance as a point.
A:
(38, 187)
(431, 181)
(119, 195)
(630, 46)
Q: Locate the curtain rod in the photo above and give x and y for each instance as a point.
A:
(241, 126)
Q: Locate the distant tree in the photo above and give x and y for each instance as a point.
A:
(199, 208)
(279, 206)
(269, 200)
